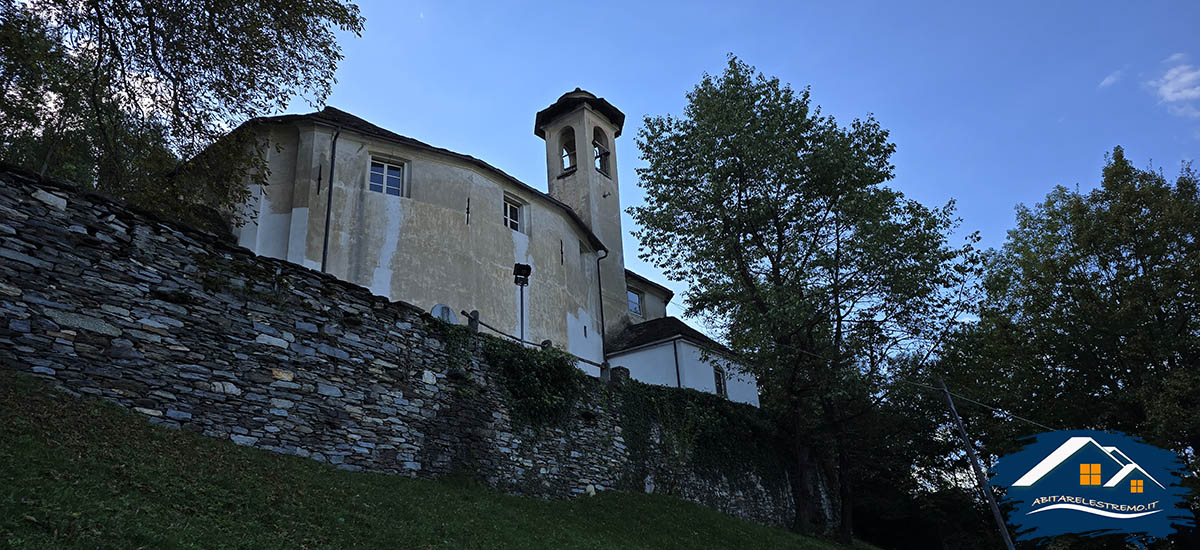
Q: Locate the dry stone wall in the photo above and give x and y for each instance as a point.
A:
(204, 336)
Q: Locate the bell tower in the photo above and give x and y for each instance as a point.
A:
(580, 130)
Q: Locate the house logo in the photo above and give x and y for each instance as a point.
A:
(1092, 483)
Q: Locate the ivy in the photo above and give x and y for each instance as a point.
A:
(457, 340)
(542, 385)
(693, 431)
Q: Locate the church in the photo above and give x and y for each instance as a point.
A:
(450, 233)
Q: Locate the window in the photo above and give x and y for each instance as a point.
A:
(512, 214)
(566, 140)
(386, 177)
(1135, 486)
(600, 150)
(1089, 474)
(635, 301)
(719, 377)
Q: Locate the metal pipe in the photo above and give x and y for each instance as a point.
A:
(600, 289)
(522, 311)
(329, 199)
(675, 350)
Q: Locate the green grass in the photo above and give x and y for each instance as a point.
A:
(82, 473)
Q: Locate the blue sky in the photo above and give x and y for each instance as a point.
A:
(991, 105)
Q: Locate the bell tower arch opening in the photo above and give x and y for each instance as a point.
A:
(600, 152)
(566, 146)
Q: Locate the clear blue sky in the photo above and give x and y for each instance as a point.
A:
(990, 105)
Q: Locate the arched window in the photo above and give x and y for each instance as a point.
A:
(566, 140)
(600, 150)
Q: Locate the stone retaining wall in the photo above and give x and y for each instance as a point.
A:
(204, 336)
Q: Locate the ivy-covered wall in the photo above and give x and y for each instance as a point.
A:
(204, 336)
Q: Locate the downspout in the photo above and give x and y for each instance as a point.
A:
(329, 198)
(600, 289)
(675, 350)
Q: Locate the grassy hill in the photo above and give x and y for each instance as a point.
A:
(82, 473)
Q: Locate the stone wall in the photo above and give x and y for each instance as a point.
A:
(200, 335)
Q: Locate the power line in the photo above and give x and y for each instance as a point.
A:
(989, 407)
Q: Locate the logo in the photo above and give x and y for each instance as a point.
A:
(1092, 483)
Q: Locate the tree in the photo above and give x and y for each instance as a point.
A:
(1092, 316)
(814, 271)
(128, 95)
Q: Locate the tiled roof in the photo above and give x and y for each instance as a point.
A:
(569, 102)
(656, 330)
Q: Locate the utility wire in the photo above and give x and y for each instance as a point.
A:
(969, 400)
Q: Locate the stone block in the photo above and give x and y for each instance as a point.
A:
(271, 341)
(243, 439)
(54, 201)
(329, 390)
(75, 320)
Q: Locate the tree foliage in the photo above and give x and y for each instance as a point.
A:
(818, 274)
(1092, 315)
(138, 98)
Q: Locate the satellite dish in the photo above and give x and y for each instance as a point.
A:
(443, 312)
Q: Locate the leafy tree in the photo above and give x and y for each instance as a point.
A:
(138, 98)
(1092, 317)
(816, 272)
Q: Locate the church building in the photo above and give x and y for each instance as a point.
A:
(450, 233)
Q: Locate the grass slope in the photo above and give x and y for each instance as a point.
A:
(85, 473)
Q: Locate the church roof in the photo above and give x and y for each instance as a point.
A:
(657, 330)
(569, 102)
(333, 116)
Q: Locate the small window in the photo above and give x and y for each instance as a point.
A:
(387, 178)
(600, 150)
(1089, 474)
(566, 140)
(635, 301)
(512, 214)
(1135, 486)
(719, 378)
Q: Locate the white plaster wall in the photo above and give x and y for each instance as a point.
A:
(582, 338)
(695, 371)
(652, 364)
(740, 386)
(269, 227)
(274, 222)
(698, 374)
(656, 365)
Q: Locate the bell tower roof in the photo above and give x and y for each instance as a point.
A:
(569, 102)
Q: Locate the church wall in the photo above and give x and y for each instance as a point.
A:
(425, 249)
(200, 335)
(270, 207)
